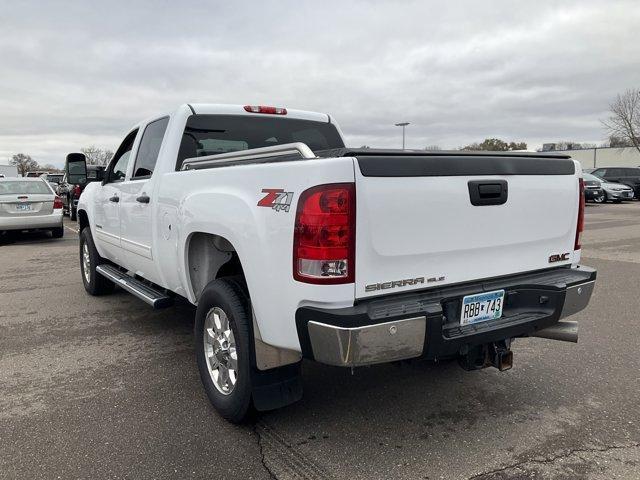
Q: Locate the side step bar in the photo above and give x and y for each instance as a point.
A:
(141, 290)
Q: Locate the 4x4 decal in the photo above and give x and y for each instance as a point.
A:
(276, 198)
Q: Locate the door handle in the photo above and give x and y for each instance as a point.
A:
(114, 199)
(143, 199)
(488, 192)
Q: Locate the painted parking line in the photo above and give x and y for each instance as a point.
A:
(72, 229)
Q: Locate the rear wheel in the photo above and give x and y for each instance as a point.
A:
(94, 283)
(57, 232)
(222, 337)
(73, 214)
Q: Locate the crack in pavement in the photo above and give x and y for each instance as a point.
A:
(554, 458)
(256, 431)
(282, 460)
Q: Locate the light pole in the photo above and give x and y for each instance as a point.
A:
(403, 125)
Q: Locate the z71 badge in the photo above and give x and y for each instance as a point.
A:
(276, 198)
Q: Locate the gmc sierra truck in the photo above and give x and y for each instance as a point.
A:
(293, 246)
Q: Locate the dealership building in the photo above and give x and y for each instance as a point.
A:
(604, 156)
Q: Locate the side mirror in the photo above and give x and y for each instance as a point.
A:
(76, 168)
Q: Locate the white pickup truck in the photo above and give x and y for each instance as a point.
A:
(292, 246)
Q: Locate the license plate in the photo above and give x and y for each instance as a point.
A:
(482, 307)
(23, 207)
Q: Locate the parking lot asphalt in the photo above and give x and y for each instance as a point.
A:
(108, 388)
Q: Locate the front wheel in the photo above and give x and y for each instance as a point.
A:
(222, 336)
(600, 199)
(94, 283)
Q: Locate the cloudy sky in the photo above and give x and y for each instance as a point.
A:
(74, 74)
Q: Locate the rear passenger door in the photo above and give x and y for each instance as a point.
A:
(136, 206)
(615, 174)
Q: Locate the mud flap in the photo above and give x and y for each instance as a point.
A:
(277, 387)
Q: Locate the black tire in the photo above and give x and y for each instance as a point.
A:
(57, 232)
(227, 295)
(96, 284)
(73, 215)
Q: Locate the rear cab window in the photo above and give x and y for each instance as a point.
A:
(214, 134)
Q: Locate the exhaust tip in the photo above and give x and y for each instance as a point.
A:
(563, 331)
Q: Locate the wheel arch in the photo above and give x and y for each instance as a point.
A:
(83, 220)
(209, 256)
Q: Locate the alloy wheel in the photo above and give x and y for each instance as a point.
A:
(86, 263)
(220, 351)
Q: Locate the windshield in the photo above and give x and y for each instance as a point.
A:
(591, 178)
(213, 134)
(16, 187)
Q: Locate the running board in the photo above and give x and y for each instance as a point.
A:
(144, 292)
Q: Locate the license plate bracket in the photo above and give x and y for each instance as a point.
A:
(481, 307)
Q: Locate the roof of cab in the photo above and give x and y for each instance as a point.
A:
(222, 109)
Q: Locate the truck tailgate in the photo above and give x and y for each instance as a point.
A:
(432, 220)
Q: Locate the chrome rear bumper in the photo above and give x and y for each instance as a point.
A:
(425, 324)
(577, 298)
(367, 345)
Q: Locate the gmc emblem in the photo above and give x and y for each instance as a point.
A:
(558, 257)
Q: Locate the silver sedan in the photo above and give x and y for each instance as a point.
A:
(29, 204)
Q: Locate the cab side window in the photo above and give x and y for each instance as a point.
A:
(149, 148)
(120, 161)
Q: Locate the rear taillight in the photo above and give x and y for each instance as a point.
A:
(324, 239)
(264, 109)
(580, 227)
(77, 190)
(57, 202)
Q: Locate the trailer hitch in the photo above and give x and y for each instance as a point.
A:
(501, 356)
(495, 354)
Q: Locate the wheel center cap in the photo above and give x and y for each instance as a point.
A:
(221, 349)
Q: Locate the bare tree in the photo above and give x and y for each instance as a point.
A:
(624, 122)
(50, 168)
(495, 145)
(617, 142)
(24, 163)
(97, 156)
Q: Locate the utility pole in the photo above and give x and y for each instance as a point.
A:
(403, 125)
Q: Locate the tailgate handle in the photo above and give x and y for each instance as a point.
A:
(488, 192)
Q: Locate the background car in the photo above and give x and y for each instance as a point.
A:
(70, 193)
(593, 189)
(613, 192)
(629, 176)
(55, 177)
(29, 204)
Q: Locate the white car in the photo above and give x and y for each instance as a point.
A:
(30, 204)
(293, 246)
